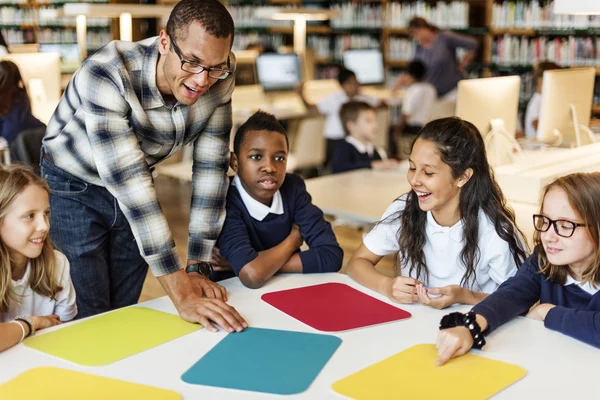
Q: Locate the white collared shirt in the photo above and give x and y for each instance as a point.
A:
(587, 287)
(442, 251)
(29, 303)
(368, 148)
(256, 209)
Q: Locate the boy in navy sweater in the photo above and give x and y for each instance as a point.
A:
(270, 213)
(357, 150)
(563, 273)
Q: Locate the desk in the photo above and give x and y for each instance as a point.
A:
(558, 367)
(361, 196)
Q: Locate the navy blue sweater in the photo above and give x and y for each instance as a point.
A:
(18, 119)
(577, 312)
(347, 158)
(243, 237)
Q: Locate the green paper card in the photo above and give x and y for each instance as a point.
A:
(112, 336)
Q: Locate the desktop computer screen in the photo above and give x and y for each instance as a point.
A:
(70, 56)
(278, 71)
(366, 64)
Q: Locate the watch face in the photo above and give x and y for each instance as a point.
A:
(205, 269)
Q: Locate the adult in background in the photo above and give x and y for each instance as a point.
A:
(130, 106)
(437, 50)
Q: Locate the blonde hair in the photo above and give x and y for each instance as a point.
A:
(43, 277)
(583, 192)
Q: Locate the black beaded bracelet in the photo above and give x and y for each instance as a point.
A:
(467, 320)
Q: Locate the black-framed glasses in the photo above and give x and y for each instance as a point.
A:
(562, 227)
(195, 68)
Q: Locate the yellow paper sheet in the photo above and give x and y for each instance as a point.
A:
(50, 383)
(113, 336)
(412, 374)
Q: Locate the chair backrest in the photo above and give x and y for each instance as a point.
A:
(26, 146)
(383, 128)
(307, 148)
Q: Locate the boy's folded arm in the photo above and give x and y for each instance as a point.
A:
(268, 262)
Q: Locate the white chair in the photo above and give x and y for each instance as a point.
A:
(307, 145)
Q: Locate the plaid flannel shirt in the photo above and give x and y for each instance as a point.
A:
(113, 125)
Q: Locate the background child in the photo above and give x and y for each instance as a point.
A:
(419, 98)
(15, 109)
(269, 212)
(563, 274)
(34, 278)
(330, 107)
(532, 113)
(357, 150)
(451, 231)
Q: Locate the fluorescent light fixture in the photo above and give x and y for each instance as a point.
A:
(577, 7)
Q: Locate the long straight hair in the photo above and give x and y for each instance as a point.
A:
(461, 147)
(11, 83)
(43, 278)
(583, 192)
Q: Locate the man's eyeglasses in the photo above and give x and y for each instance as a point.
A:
(562, 227)
(195, 68)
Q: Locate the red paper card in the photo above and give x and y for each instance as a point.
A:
(333, 307)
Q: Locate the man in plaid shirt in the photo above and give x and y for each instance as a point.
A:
(130, 106)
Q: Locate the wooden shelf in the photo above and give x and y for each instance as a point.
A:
(323, 60)
(396, 31)
(596, 109)
(396, 63)
(511, 31)
(289, 30)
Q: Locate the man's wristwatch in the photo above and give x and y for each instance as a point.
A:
(203, 268)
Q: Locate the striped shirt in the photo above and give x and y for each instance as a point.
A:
(112, 126)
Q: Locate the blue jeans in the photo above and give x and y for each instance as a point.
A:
(87, 226)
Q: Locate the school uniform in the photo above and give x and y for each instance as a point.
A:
(18, 118)
(251, 227)
(417, 105)
(531, 114)
(330, 107)
(351, 154)
(30, 303)
(442, 250)
(577, 311)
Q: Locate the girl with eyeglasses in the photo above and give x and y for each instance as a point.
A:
(563, 274)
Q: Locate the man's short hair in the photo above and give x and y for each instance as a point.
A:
(416, 69)
(259, 121)
(211, 14)
(345, 75)
(350, 112)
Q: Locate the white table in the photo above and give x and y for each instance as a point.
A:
(558, 366)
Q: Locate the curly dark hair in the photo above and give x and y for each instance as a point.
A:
(461, 147)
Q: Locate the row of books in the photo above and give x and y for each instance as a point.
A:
(242, 40)
(18, 36)
(357, 15)
(532, 14)
(245, 16)
(454, 14)
(332, 48)
(58, 2)
(95, 39)
(44, 16)
(401, 49)
(566, 51)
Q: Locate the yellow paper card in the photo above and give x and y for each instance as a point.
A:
(51, 383)
(412, 374)
(113, 336)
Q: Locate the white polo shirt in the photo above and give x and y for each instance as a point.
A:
(256, 209)
(368, 148)
(32, 304)
(418, 102)
(531, 114)
(330, 107)
(442, 251)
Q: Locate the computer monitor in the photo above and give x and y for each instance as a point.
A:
(278, 71)
(367, 64)
(70, 55)
(43, 66)
(566, 107)
(492, 104)
(245, 70)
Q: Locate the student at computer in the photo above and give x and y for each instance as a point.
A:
(419, 98)
(532, 113)
(270, 213)
(563, 274)
(452, 233)
(358, 150)
(330, 107)
(15, 108)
